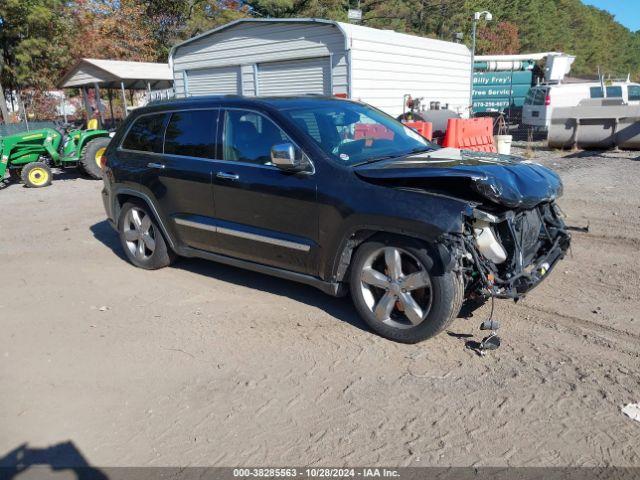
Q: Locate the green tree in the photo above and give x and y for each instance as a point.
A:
(34, 44)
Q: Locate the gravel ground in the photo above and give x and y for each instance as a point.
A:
(202, 364)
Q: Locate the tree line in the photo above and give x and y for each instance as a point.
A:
(41, 39)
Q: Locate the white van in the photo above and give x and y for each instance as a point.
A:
(542, 99)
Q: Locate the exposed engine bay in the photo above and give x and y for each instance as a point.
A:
(506, 255)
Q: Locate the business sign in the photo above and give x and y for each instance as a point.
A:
(354, 15)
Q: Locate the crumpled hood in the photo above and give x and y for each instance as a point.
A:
(502, 179)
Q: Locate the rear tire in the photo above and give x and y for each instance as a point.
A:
(90, 157)
(141, 238)
(409, 303)
(36, 175)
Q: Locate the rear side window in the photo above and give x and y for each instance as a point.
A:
(145, 135)
(192, 133)
(612, 92)
(595, 92)
(634, 93)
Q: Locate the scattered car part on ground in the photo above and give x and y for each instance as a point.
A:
(282, 186)
(632, 410)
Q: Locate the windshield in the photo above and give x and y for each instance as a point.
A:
(354, 133)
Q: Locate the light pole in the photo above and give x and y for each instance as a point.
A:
(476, 17)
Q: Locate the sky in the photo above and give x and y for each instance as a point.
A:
(627, 12)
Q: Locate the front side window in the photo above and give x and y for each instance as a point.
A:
(634, 93)
(145, 135)
(249, 136)
(192, 133)
(353, 133)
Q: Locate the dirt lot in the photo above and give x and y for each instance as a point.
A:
(202, 364)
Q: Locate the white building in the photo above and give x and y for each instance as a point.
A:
(263, 57)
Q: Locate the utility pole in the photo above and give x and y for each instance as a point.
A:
(476, 18)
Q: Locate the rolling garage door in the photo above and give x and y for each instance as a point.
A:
(295, 77)
(214, 81)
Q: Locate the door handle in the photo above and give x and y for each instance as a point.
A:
(155, 165)
(228, 176)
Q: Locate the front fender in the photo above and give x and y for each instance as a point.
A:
(420, 215)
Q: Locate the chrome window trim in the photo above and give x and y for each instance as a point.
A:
(221, 110)
(246, 235)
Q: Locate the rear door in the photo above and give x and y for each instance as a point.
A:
(180, 180)
(535, 112)
(263, 214)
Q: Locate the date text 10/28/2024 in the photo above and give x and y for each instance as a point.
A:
(315, 472)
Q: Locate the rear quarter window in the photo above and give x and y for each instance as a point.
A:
(145, 135)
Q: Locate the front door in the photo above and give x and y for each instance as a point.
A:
(263, 214)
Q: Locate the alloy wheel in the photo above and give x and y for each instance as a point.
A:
(139, 233)
(396, 287)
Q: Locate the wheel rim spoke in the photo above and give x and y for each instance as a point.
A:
(149, 241)
(385, 306)
(135, 218)
(130, 235)
(394, 262)
(415, 281)
(374, 278)
(140, 250)
(145, 224)
(411, 308)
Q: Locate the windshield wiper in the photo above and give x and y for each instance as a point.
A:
(420, 150)
(396, 155)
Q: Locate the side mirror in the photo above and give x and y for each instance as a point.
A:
(287, 157)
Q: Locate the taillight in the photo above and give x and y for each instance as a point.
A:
(547, 100)
(102, 161)
(340, 95)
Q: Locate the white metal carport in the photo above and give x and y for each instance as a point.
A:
(116, 74)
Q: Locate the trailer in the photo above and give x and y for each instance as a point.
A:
(271, 57)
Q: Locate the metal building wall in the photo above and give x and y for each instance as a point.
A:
(249, 44)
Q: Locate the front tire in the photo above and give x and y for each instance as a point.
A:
(36, 175)
(141, 238)
(90, 157)
(401, 292)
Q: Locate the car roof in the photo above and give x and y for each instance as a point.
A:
(280, 103)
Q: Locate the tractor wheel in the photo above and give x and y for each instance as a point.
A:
(36, 175)
(90, 157)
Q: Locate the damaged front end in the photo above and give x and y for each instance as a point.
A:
(512, 235)
(507, 254)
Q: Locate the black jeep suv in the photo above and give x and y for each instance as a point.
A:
(334, 194)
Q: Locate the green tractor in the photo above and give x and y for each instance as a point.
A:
(29, 156)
